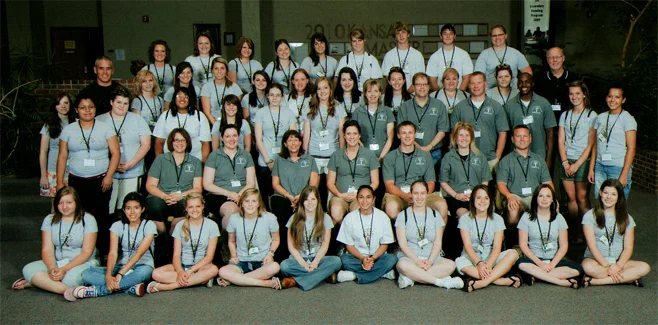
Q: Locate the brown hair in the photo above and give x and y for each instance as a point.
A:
(240, 43)
(248, 192)
(297, 225)
(314, 105)
(583, 87)
(79, 209)
(227, 82)
(182, 132)
(621, 213)
(196, 40)
(455, 133)
(471, 203)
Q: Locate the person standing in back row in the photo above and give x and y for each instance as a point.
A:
(99, 90)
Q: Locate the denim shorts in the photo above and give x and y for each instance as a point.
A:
(247, 267)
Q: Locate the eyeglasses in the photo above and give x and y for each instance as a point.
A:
(421, 85)
(180, 96)
(180, 141)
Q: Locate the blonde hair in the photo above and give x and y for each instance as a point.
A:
(455, 133)
(369, 84)
(186, 223)
(227, 83)
(140, 77)
(248, 192)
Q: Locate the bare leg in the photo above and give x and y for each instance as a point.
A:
(206, 273)
(582, 191)
(557, 276)
(337, 212)
(460, 211)
(226, 210)
(408, 268)
(392, 209)
(173, 224)
(496, 273)
(160, 226)
(633, 270)
(257, 278)
(43, 281)
(570, 189)
(442, 207)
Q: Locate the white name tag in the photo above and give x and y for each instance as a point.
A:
(121, 149)
(556, 107)
(253, 250)
(373, 146)
(405, 189)
(235, 183)
(351, 189)
(468, 191)
(528, 119)
(604, 239)
(611, 260)
(420, 135)
(62, 263)
(324, 133)
(310, 252)
(606, 157)
(526, 190)
(320, 74)
(276, 150)
(550, 246)
(477, 133)
(90, 162)
(178, 192)
(602, 137)
(129, 271)
(324, 146)
(423, 242)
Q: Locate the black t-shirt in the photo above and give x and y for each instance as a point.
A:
(100, 95)
(555, 90)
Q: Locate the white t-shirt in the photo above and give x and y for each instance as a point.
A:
(411, 61)
(169, 95)
(197, 241)
(365, 66)
(196, 125)
(457, 59)
(366, 232)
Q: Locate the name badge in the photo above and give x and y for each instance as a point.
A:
(480, 249)
(324, 133)
(604, 239)
(550, 246)
(320, 74)
(423, 242)
(310, 252)
(405, 189)
(89, 163)
(178, 192)
(546, 261)
(611, 260)
(526, 190)
(351, 189)
(423, 257)
(276, 150)
(420, 135)
(556, 108)
(253, 250)
(121, 149)
(528, 120)
(62, 263)
(606, 157)
(373, 146)
(468, 191)
(151, 123)
(324, 146)
(602, 137)
(477, 133)
(235, 183)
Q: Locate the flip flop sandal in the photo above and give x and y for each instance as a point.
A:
(152, 287)
(518, 279)
(277, 283)
(469, 284)
(575, 283)
(587, 281)
(14, 286)
(638, 283)
(222, 283)
(527, 279)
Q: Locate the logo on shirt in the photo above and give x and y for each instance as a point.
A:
(475, 161)
(434, 111)
(368, 236)
(488, 110)
(420, 161)
(361, 162)
(537, 110)
(381, 117)
(304, 164)
(240, 161)
(188, 168)
(534, 164)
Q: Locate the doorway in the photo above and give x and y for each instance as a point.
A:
(75, 49)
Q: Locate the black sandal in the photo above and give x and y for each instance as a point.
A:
(512, 277)
(638, 283)
(575, 282)
(527, 279)
(587, 281)
(469, 284)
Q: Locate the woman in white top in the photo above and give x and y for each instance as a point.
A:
(364, 65)
(503, 91)
(204, 53)
(280, 70)
(499, 54)
(242, 68)
(60, 116)
(213, 93)
(420, 240)
(610, 234)
(299, 97)
(257, 98)
(450, 95)
(396, 90)
(347, 94)
(318, 63)
(194, 250)
(183, 78)
(147, 103)
(159, 55)
(67, 248)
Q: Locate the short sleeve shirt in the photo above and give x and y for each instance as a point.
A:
(614, 135)
(129, 132)
(410, 60)
(150, 109)
(324, 68)
(310, 244)
(449, 102)
(489, 59)
(274, 125)
(457, 59)
(130, 239)
(542, 119)
(201, 69)
(252, 233)
(98, 152)
(244, 72)
(419, 227)
(543, 244)
(194, 249)
(374, 126)
(608, 240)
(355, 172)
(67, 237)
(576, 131)
(497, 95)
(490, 119)
(462, 174)
(169, 95)
(294, 176)
(405, 169)
(513, 169)
(366, 232)
(244, 130)
(164, 168)
(324, 145)
(228, 171)
(164, 76)
(216, 94)
(260, 103)
(349, 106)
(53, 147)
(282, 77)
(196, 125)
(365, 66)
(429, 119)
(486, 228)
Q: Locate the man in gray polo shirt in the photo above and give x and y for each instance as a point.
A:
(403, 166)
(429, 115)
(534, 111)
(519, 173)
(487, 116)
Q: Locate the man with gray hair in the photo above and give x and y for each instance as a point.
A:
(554, 83)
(99, 90)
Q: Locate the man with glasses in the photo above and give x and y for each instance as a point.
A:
(554, 83)
(99, 90)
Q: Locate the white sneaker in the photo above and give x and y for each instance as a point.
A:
(453, 283)
(389, 275)
(210, 283)
(404, 282)
(345, 276)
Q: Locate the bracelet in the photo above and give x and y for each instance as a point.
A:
(563, 161)
(478, 263)
(121, 274)
(271, 252)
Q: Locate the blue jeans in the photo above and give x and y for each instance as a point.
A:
(603, 172)
(436, 156)
(308, 280)
(382, 265)
(95, 276)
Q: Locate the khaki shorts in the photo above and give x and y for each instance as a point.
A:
(492, 164)
(347, 207)
(402, 204)
(525, 201)
(464, 261)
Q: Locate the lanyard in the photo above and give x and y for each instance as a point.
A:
(299, 107)
(359, 70)
(467, 171)
(244, 229)
(448, 100)
(504, 54)
(505, 100)
(368, 239)
(349, 163)
(420, 118)
(66, 238)
(245, 70)
(198, 239)
(260, 104)
(451, 58)
(307, 237)
(541, 236)
(527, 108)
(476, 117)
(481, 237)
(407, 166)
(86, 140)
(326, 63)
(205, 67)
(157, 76)
(219, 103)
(372, 125)
(527, 167)
(132, 248)
(232, 161)
(401, 63)
(421, 235)
(184, 122)
(607, 142)
(117, 131)
(348, 111)
(153, 113)
(276, 125)
(607, 236)
(573, 128)
(178, 174)
(286, 77)
(326, 121)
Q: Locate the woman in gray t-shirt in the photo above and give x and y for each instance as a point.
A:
(610, 235)
(60, 116)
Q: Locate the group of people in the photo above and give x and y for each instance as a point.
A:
(329, 136)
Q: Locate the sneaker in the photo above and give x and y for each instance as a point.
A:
(138, 290)
(453, 283)
(404, 282)
(389, 275)
(345, 276)
(210, 283)
(71, 294)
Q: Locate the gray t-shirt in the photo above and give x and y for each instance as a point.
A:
(196, 125)
(130, 239)
(256, 234)
(201, 69)
(294, 175)
(429, 119)
(150, 109)
(522, 175)
(610, 243)
(230, 174)
(324, 68)
(366, 232)
(489, 119)
(489, 59)
(164, 168)
(404, 169)
(418, 227)
(538, 116)
(498, 96)
(130, 130)
(576, 131)
(197, 241)
(282, 77)
(244, 72)
(374, 126)
(216, 94)
(67, 238)
(611, 137)
(550, 235)
(244, 130)
(163, 76)
(53, 147)
(320, 144)
(355, 172)
(462, 174)
(349, 106)
(260, 103)
(92, 162)
(310, 245)
(274, 125)
(486, 228)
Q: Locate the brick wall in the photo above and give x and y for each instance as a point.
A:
(645, 171)
(71, 86)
